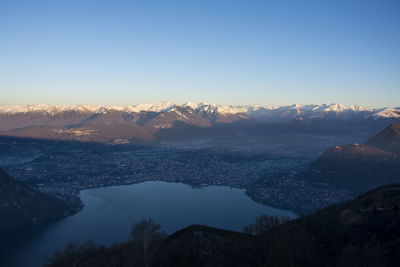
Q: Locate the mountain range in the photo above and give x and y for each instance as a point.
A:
(150, 122)
(260, 113)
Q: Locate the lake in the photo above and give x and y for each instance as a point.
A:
(109, 213)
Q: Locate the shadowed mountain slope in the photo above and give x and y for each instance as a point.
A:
(359, 167)
(21, 206)
(388, 139)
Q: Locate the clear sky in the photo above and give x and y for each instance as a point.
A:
(229, 52)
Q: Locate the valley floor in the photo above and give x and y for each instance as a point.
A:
(65, 173)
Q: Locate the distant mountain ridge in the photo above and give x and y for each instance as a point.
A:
(151, 122)
(262, 113)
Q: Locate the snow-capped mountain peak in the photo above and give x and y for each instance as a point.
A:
(261, 113)
(161, 106)
(390, 113)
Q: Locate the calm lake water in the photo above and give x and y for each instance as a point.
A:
(109, 213)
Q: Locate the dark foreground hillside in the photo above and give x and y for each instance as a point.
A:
(21, 206)
(361, 232)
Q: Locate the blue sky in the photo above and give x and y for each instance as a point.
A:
(229, 52)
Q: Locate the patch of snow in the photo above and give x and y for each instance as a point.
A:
(388, 113)
(180, 115)
(154, 107)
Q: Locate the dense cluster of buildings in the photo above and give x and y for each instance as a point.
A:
(64, 174)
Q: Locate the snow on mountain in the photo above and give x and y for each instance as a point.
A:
(388, 113)
(212, 107)
(154, 107)
(192, 105)
(25, 109)
(50, 109)
(261, 113)
(343, 108)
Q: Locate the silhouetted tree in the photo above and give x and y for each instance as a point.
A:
(137, 252)
(264, 223)
(144, 233)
